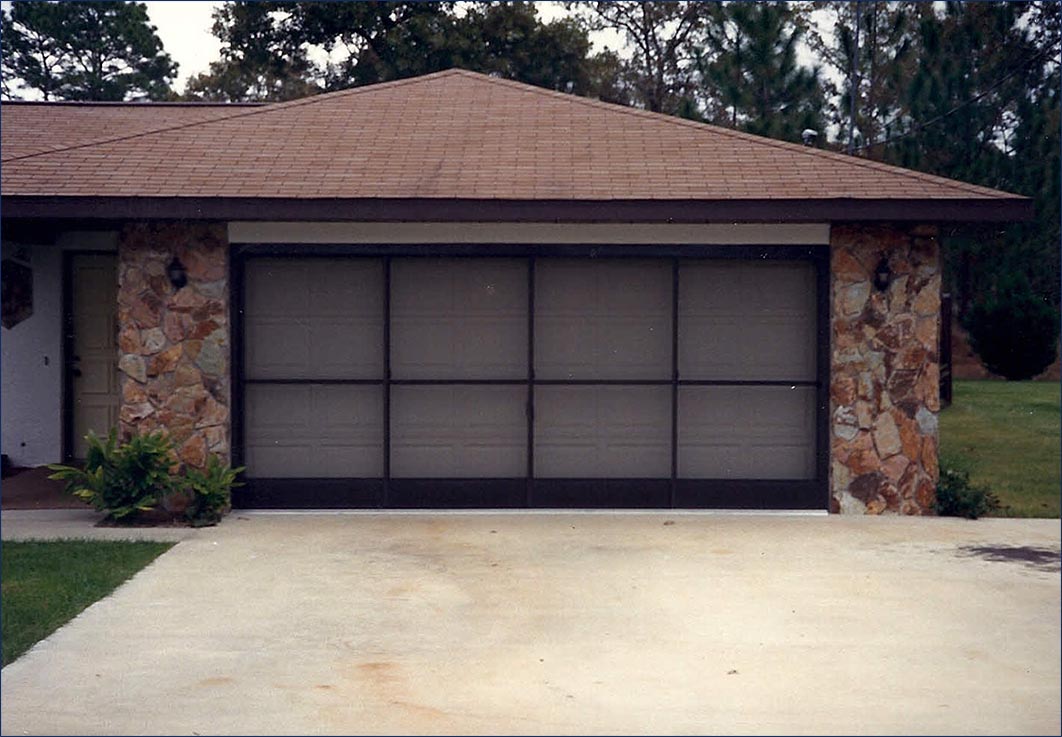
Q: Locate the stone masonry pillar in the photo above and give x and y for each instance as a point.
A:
(885, 372)
(174, 343)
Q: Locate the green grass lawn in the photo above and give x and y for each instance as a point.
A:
(1006, 435)
(43, 585)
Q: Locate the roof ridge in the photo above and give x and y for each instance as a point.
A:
(750, 137)
(759, 141)
(258, 110)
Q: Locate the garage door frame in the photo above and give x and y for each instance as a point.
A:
(388, 492)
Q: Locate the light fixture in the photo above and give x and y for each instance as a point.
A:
(882, 275)
(176, 273)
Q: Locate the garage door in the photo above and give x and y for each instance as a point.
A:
(520, 381)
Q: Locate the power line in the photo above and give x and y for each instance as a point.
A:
(922, 126)
(853, 81)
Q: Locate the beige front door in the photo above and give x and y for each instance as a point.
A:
(93, 356)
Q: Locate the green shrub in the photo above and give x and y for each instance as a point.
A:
(121, 479)
(957, 497)
(1014, 330)
(211, 492)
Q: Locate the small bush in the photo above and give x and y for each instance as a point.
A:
(121, 479)
(1014, 330)
(211, 492)
(957, 497)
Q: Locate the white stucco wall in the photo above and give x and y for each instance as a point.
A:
(31, 366)
(31, 370)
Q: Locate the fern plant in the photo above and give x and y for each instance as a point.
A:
(211, 491)
(121, 479)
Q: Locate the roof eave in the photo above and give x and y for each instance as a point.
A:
(958, 210)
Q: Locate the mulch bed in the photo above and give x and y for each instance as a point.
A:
(30, 488)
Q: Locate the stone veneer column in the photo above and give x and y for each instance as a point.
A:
(174, 343)
(885, 372)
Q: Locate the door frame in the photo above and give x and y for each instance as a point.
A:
(66, 348)
(388, 492)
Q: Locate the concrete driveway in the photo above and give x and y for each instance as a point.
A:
(565, 623)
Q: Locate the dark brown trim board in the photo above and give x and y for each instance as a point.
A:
(972, 209)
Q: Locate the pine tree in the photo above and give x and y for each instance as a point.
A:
(866, 47)
(750, 74)
(84, 51)
(983, 107)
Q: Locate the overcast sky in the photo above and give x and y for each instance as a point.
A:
(184, 28)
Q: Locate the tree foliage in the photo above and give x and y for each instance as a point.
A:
(259, 59)
(750, 73)
(982, 107)
(867, 50)
(659, 75)
(968, 91)
(83, 51)
(267, 47)
(1013, 329)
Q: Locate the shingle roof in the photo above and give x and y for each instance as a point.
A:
(38, 127)
(448, 135)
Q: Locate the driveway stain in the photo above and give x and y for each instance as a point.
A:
(1038, 559)
(385, 682)
(379, 671)
(216, 681)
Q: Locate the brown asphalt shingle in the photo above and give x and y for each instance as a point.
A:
(453, 134)
(37, 127)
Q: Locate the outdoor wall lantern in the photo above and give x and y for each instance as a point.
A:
(175, 271)
(882, 275)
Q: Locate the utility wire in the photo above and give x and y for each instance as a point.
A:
(922, 126)
(853, 80)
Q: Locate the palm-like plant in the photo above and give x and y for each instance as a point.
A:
(121, 479)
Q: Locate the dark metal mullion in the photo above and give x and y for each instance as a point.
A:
(237, 321)
(602, 382)
(751, 382)
(458, 382)
(542, 382)
(669, 382)
(674, 376)
(529, 496)
(340, 382)
(385, 497)
(822, 394)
